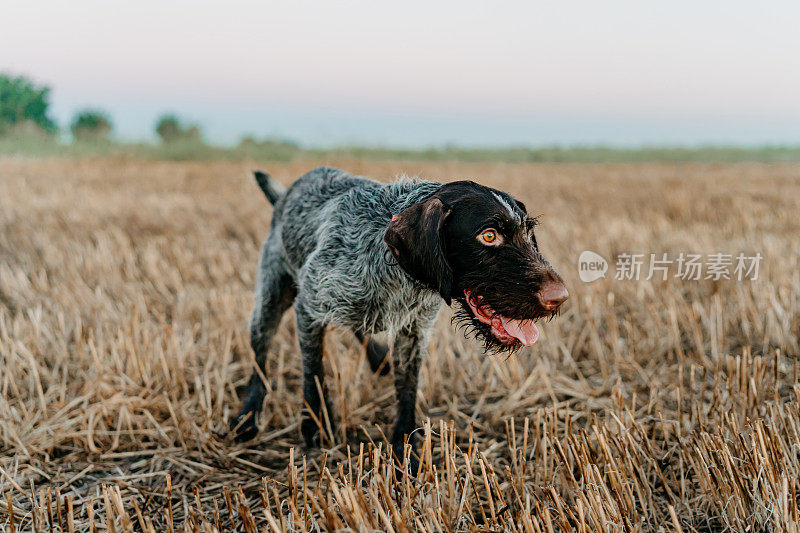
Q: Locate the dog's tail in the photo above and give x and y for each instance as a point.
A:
(272, 189)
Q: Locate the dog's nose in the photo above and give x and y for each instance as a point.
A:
(552, 296)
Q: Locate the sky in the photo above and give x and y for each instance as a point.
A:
(421, 73)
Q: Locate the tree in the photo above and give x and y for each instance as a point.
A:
(170, 129)
(21, 101)
(91, 125)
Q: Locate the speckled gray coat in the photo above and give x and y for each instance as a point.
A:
(325, 254)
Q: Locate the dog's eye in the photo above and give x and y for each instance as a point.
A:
(490, 237)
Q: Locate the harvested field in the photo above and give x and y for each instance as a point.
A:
(125, 287)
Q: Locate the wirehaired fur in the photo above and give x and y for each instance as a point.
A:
(371, 257)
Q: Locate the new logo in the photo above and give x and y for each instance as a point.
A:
(591, 266)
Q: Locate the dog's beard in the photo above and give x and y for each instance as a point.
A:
(509, 308)
(471, 326)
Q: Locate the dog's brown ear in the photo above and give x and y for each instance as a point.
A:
(416, 241)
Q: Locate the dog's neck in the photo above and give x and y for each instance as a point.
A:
(405, 192)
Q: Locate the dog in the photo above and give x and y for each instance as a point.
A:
(349, 251)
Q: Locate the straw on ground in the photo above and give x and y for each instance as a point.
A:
(125, 287)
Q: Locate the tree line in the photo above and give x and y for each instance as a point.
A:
(25, 111)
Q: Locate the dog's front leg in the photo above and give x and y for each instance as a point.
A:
(310, 335)
(409, 346)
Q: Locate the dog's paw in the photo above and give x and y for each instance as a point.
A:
(315, 437)
(244, 426)
(378, 357)
(399, 450)
(311, 432)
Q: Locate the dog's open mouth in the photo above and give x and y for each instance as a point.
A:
(508, 331)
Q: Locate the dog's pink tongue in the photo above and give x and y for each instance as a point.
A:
(525, 331)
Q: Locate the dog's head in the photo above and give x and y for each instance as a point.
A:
(476, 245)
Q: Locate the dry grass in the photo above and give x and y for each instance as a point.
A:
(124, 291)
